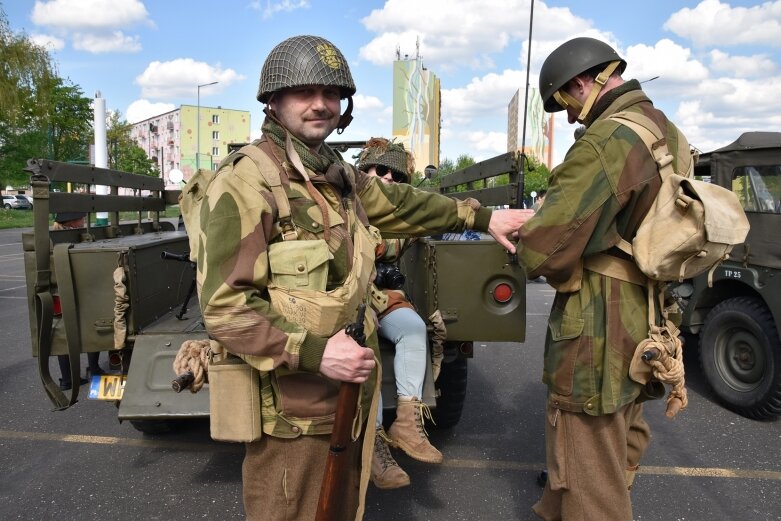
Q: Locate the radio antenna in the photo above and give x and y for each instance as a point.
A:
(524, 162)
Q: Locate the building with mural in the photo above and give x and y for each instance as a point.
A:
(175, 142)
(539, 127)
(416, 110)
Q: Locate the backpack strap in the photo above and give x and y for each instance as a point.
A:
(651, 135)
(655, 142)
(270, 171)
(615, 267)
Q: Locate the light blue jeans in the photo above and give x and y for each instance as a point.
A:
(407, 331)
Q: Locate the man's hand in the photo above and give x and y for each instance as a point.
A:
(345, 360)
(505, 223)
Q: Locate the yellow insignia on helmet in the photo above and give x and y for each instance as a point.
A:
(329, 56)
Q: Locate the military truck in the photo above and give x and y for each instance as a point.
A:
(126, 288)
(735, 312)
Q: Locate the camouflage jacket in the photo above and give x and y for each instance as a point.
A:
(240, 225)
(598, 194)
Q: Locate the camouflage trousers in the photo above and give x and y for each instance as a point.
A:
(282, 478)
(590, 460)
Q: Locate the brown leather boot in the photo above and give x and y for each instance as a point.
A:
(408, 433)
(386, 473)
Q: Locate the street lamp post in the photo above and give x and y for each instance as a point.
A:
(198, 126)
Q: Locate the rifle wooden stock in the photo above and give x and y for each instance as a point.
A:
(338, 460)
(337, 464)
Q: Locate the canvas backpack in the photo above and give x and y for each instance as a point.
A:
(692, 225)
(690, 228)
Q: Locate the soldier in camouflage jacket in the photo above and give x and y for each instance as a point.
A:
(273, 251)
(595, 433)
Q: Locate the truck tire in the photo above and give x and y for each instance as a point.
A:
(740, 354)
(154, 426)
(451, 393)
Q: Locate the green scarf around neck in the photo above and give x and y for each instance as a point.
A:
(318, 163)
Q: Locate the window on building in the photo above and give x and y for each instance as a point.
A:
(216, 118)
(215, 151)
(215, 134)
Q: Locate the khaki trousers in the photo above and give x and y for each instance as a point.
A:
(590, 462)
(282, 478)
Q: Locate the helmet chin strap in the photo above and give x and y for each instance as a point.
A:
(564, 99)
(345, 118)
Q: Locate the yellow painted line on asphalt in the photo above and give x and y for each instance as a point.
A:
(698, 472)
(122, 442)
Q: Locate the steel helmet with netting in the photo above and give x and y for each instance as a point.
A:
(304, 60)
(569, 60)
(380, 151)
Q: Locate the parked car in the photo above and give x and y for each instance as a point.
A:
(30, 199)
(19, 202)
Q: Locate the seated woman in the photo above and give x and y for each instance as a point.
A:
(400, 324)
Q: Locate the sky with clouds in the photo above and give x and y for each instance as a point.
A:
(715, 63)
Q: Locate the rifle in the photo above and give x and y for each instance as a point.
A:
(336, 466)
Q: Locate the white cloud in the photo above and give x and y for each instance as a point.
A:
(487, 144)
(94, 26)
(369, 103)
(143, 109)
(712, 22)
(735, 96)
(180, 78)
(456, 33)
(668, 60)
(98, 43)
(757, 65)
(489, 94)
(89, 14)
(48, 42)
(270, 8)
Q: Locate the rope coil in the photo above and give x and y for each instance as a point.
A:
(193, 358)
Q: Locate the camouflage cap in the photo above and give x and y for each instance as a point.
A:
(304, 60)
(380, 151)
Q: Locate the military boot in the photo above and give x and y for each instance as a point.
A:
(408, 432)
(385, 472)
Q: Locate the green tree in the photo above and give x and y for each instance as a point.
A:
(68, 123)
(26, 70)
(123, 153)
(535, 177)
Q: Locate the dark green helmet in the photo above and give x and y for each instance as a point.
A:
(304, 60)
(380, 151)
(570, 59)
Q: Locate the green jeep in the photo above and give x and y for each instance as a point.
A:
(736, 310)
(77, 306)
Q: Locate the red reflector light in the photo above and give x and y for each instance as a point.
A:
(56, 305)
(503, 292)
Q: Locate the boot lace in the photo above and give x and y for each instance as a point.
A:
(422, 413)
(381, 442)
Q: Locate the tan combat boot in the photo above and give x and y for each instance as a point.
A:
(408, 433)
(385, 472)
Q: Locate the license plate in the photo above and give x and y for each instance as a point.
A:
(107, 387)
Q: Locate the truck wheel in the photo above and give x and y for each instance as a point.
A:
(154, 426)
(451, 393)
(740, 353)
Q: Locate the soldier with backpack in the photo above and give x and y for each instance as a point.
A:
(598, 196)
(285, 247)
